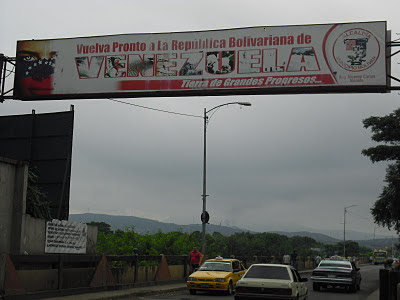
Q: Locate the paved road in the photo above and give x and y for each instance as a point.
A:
(369, 284)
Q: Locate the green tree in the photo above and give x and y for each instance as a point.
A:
(333, 249)
(303, 245)
(386, 130)
(37, 204)
(101, 227)
(366, 251)
(352, 248)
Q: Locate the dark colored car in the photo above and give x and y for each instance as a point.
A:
(336, 273)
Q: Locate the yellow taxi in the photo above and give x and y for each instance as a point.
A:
(219, 274)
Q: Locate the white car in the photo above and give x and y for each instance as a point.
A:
(273, 281)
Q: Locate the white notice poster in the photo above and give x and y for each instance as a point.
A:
(66, 237)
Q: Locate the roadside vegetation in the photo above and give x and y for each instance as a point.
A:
(37, 204)
(386, 131)
(244, 244)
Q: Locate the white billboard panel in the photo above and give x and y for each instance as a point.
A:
(284, 59)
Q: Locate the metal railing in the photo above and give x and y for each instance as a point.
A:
(54, 274)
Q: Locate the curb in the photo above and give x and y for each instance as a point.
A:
(374, 296)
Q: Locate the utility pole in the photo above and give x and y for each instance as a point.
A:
(344, 230)
(2, 59)
(204, 215)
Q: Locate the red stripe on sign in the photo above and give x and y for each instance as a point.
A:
(226, 83)
(145, 85)
(326, 79)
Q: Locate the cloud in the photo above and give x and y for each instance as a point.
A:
(288, 161)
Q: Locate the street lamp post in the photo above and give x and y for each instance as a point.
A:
(204, 214)
(344, 230)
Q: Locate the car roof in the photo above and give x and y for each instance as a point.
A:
(273, 265)
(335, 259)
(337, 262)
(222, 259)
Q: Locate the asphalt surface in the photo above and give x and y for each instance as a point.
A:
(142, 291)
(148, 290)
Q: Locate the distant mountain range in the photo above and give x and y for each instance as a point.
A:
(143, 226)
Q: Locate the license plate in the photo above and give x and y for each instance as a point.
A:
(204, 285)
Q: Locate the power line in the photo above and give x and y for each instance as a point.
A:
(366, 221)
(160, 110)
(359, 216)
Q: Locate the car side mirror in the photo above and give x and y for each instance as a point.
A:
(304, 280)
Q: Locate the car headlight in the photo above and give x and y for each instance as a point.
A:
(219, 280)
(192, 279)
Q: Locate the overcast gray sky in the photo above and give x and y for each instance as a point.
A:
(288, 162)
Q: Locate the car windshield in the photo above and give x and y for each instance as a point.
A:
(335, 263)
(224, 266)
(268, 272)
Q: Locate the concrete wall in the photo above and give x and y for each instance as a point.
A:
(39, 280)
(91, 240)
(177, 272)
(147, 273)
(42, 280)
(7, 183)
(123, 275)
(19, 232)
(33, 236)
(13, 183)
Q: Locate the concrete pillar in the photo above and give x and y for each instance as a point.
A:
(19, 207)
(13, 184)
(2, 271)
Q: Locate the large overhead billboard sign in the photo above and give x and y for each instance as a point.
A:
(348, 57)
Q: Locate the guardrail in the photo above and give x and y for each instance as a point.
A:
(38, 276)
